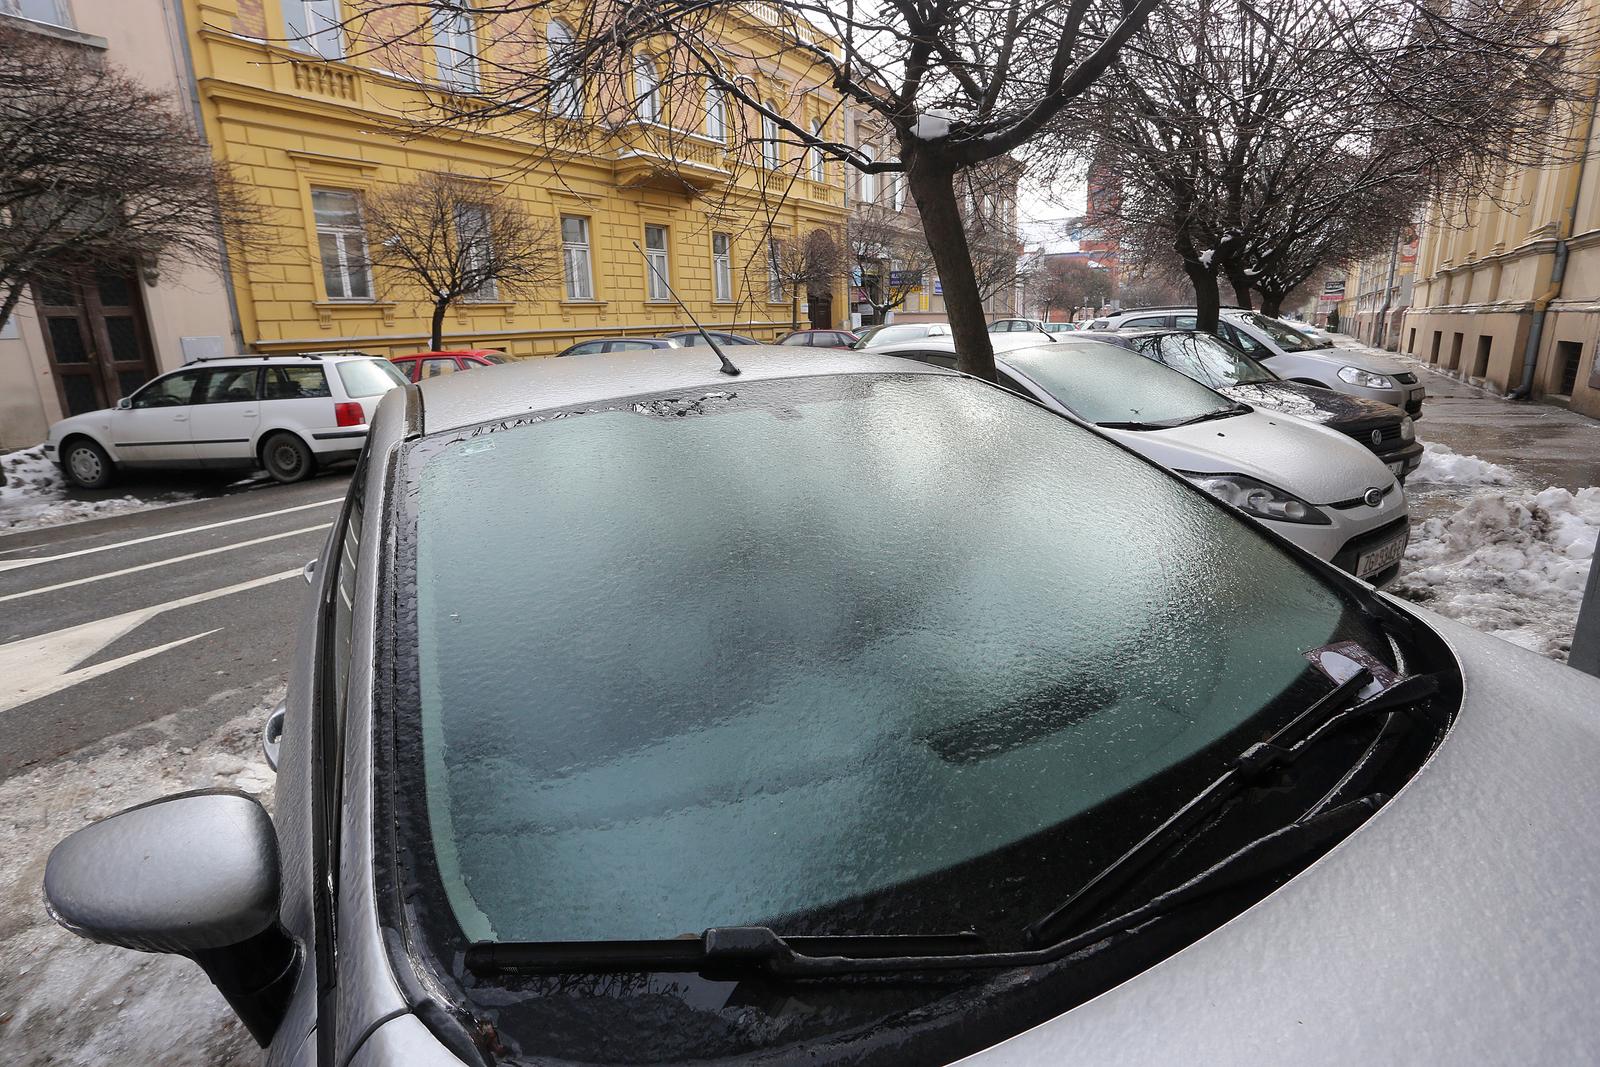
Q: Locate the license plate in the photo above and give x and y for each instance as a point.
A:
(1381, 558)
(1397, 468)
(1415, 396)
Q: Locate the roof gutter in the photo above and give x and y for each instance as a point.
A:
(1558, 271)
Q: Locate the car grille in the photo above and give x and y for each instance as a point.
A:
(1388, 437)
(1406, 379)
(1348, 556)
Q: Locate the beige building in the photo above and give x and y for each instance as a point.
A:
(1508, 283)
(82, 347)
(1378, 292)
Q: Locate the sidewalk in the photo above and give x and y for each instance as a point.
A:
(1504, 511)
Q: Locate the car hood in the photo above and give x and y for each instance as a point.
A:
(1457, 925)
(1313, 403)
(1350, 357)
(1317, 464)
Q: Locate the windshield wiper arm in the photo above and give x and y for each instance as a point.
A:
(1207, 416)
(755, 951)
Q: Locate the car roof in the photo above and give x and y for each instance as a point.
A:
(451, 352)
(453, 401)
(277, 360)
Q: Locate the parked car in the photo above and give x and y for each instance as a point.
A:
(1292, 355)
(1032, 326)
(691, 338)
(1384, 428)
(1133, 780)
(617, 344)
(1316, 333)
(888, 333)
(288, 414)
(820, 338)
(435, 364)
(1312, 485)
(1062, 327)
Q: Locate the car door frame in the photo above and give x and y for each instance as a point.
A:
(226, 438)
(156, 436)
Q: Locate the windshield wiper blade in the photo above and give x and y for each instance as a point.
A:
(755, 951)
(1208, 416)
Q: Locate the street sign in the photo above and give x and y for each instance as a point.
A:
(905, 278)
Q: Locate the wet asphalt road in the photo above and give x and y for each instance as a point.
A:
(108, 624)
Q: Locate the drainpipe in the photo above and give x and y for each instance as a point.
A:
(1558, 271)
(225, 264)
(1388, 295)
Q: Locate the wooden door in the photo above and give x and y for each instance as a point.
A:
(97, 337)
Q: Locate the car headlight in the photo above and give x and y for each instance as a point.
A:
(1365, 378)
(1258, 498)
(1408, 429)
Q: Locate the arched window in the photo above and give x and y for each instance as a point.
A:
(771, 149)
(869, 182)
(716, 115)
(647, 89)
(566, 92)
(819, 165)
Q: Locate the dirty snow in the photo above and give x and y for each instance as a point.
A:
(35, 495)
(1442, 465)
(64, 1000)
(1510, 563)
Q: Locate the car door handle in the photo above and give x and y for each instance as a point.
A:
(180, 418)
(248, 414)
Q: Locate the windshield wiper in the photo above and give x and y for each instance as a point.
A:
(735, 952)
(1207, 416)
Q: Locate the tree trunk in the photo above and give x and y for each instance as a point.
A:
(794, 308)
(436, 338)
(933, 187)
(1241, 286)
(1207, 294)
(1272, 303)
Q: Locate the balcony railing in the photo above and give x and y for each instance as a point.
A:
(656, 155)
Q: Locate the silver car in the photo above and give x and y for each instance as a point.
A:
(849, 710)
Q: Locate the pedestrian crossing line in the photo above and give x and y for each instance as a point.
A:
(17, 564)
(162, 563)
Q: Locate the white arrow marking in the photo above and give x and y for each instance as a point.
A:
(162, 562)
(35, 667)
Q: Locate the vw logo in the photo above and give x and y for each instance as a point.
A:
(1377, 437)
(1372, 497)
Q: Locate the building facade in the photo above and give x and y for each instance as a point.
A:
(1508, 282)
(317, 132)
(1377, 293)
(74, 348)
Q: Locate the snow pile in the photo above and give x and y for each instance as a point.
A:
(64, 1000)
(1442, 465)
(35, 495)
(1512, 565)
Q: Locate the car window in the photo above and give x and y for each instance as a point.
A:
(228, 385)
(795, 340)
(1241, 340)
(368, 377)
(819, 708)
(407, 367)
(1285, 337)
(493, 358)
(1224, 364)
(1184, 322)
(587, 348)
(629, 346)
(1109, 384)
(434, 368)
(932, 356)
(883, 335)
(295, 383)
(174, 390)
(1147, 320)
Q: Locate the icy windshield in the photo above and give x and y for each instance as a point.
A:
(1283, 335)
(1205, 359)
(733, 657)
(882, 335)
(1109, 384)
(368, 377)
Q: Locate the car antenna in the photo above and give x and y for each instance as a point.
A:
(727, 364)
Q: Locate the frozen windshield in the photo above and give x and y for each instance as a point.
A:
(882, 335)
(1283, 335)
(815, 647)
(1111, 385)
(368, 377)
(1205, 359)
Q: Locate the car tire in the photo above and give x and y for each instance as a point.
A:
(86, 464)
(287, 458)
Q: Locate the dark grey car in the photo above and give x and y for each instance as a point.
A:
(853, 711)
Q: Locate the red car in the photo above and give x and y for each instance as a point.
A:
(432, 364)
(820, 338)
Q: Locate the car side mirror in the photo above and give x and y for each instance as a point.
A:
(194, 874)
(125, 403)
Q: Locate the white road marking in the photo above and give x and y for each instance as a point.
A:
(38, 666)
(14, 564)
(163, 562)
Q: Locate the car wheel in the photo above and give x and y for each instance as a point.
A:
(86, 464)
(287, 458)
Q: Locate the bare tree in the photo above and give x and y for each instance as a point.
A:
(1254, 138)
(95, 168)
(889, 256)
(957, 83)
(458, 239)
(809, 264)
(1070, 284)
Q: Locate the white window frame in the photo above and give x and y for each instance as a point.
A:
(716, 115)
(722, 268)
(771, 149)
(819, 162)
(314, 26)
(349, 266)
(647, 89)
(476, 243)
(59, 15)
(658, 267)
(566, 97)
(867, 185)
(898, 183)
(776, 290)
(577, 266)
(455, 45)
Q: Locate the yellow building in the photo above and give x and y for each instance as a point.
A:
(313, 133)
(1507, 286)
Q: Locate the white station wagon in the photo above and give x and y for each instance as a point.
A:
(284, 413)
